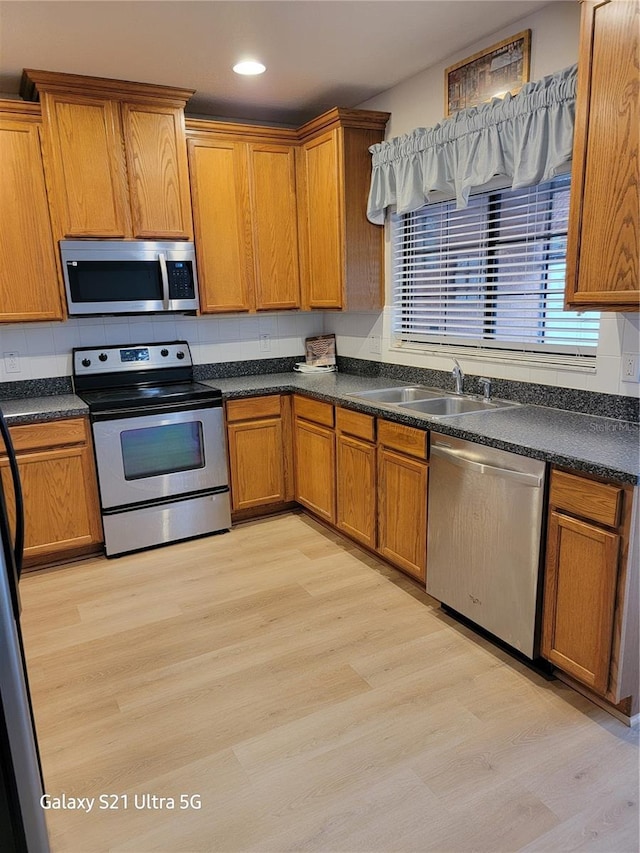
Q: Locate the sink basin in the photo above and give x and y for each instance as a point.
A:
(446, 407)
(399, 395)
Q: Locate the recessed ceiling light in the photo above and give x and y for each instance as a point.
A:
(249, 67)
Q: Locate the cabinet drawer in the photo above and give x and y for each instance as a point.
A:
(50, 434)
(357, 424)
(313, 410)
(253, 407)
(414, 442)
(587, 498)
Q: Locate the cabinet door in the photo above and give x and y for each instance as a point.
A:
(28, 274)
(579, 599)
(274, 225)
(62, 515)
(321, 218)
(356, 475)
(157, 169)
(315, 468)
(85, 166)
(220, 214)
(402, 511)
(604, 231)
(256, 453)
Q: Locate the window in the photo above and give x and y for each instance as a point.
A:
(490, 275)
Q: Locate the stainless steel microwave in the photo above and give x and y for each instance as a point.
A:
(129, 277)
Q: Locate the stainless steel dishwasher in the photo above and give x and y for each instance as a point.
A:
(484, 529)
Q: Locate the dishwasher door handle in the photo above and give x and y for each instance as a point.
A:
(481, 468)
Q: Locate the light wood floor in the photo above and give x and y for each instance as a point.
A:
(314, 700)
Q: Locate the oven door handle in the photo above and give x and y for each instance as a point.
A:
(160, 409)
(162, 258)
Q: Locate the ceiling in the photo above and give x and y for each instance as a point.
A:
(318, 53)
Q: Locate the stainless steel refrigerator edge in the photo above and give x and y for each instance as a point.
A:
(484, 532)
(22, 822)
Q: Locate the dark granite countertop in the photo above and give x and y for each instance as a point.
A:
(24, 410)
(603, 446)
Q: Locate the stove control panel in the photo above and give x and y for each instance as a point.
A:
(117, 359)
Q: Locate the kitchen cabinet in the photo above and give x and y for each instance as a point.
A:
(402, 496)
(245, 217)
(603, 249)
(356, 476)
(62, 511)
(315, 456)
(115, 156)
(29, 288)
(341, 252)
(590, 608)
(260, 452)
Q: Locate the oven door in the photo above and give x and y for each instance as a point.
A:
(157, 456)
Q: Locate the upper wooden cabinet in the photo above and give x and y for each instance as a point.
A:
(603, 269)
(244, 207)
(341, 252)
(116, 158)
(28, 274)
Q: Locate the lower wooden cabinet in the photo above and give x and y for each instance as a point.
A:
(590, 595)
(402, 497)
(315, 457)
(259, 435)
(62, 511)
(356, 476)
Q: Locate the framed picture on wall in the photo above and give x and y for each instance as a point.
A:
(491, 73)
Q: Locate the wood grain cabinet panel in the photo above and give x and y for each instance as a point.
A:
(603, 249)
(62, 512)
(272, 188)
(341, 252)
(87, 172)
(221, 222)
(158, 173)
(29, 288)
(581, 577)
(116, 159)
(315, 466)
(356, 481)
(402, 511)
(260, 451)
(591, 602)
(245, 217)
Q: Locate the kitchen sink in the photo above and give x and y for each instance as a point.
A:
(446, 407)
(399, 395)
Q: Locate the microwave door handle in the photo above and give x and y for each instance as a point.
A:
(165, 280)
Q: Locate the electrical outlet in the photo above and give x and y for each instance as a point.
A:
(265, 343)
(630, 370)
(12, 362)
(374, 343)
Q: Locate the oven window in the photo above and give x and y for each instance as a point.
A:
(153, 451)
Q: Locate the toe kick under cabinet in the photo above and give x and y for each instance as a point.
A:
(62, 511)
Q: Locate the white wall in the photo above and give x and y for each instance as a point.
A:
(419, 102)
(45, 348)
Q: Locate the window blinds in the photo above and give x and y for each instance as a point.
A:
(492, 273)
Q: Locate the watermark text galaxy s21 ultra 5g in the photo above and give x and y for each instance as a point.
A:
(121, 802)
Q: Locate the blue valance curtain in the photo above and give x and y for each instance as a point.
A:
(525, 138)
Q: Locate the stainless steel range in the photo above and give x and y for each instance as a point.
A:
(159, 444)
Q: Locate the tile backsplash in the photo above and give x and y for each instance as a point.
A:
(44, 349)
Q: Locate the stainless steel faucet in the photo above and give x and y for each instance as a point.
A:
(458, 375)
(485, 384)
